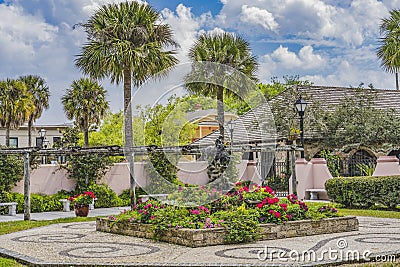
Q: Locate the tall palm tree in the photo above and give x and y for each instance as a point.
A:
(40, 92)
(85, 102)
(126, 42)
(16, 105)
(222, 48)
(389, 49)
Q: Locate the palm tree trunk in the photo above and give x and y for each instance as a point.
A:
(397, 81)
(8, 135)
(86, 137)
(220, 109)
(30, 132)
(129, 133)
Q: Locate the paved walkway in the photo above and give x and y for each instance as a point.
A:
(60, 214)
(79, 244)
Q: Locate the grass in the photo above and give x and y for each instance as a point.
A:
(9, 263)
(359, 212)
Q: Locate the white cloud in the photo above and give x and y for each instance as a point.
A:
(185, 27)
(257, 16)
(306, 58)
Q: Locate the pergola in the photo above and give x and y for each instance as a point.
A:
(115, 150)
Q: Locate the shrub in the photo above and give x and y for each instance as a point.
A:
(365, 192)
(106, 197)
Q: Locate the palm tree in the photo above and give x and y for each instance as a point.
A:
(16, 105)
(40, 92)
(126, 42)
(389, 49)
(85, 101)
(227, 49)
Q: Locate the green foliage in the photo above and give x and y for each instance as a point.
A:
(106, 197)
(356, 121)
(242, 224)
(16, 105)
(333, 162)
(39, 202)
(86, 169)
(110, 131)
(11, 171)
(388, 50)
(85, 103)
(365, 192)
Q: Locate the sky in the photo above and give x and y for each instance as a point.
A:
(329, 42)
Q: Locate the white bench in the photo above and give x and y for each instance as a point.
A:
(314, 192)
(12, 208)
(144, 198)
(66, 204)
(91, 206)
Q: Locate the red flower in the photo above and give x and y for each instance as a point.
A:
(238, 183)
(260, 205)
(277, 215)
(271, 211)
(283, 206)
(271, 201)
(268, 189)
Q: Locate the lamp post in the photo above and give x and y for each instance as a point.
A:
(230, 127)
(301, 106)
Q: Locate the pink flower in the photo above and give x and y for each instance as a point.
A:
(271, 211)
(271, 201)
(277, 215)
(195, 212)
(283, 206)
(260, 205)
(238, 183)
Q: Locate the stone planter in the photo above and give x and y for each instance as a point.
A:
(216, 236)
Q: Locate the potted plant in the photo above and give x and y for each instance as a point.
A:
(82, 202)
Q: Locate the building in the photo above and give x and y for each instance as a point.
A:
(19, 137)
(206, 120)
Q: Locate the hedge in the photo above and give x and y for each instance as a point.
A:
(365, 192)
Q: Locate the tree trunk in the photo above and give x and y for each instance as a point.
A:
(86, 137)
(220, 109)
(8, 135)
(30, 132)
(128, 132)
(397, 81)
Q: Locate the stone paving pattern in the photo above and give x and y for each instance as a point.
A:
(79, 244)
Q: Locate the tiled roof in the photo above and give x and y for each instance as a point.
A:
(327, 97)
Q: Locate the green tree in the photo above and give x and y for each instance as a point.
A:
(110, 131)
(389, 44)
(227, 49)
(356, 121)
(16, 105)
(85, 101)
(40, 92)
(126, 42)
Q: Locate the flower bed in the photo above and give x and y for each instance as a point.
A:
(218, 236)
(238, 216)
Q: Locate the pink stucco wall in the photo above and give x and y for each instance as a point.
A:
(387, 166)
(310, 175)
(49, 179)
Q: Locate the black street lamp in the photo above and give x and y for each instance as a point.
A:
(230, 127)
(301, 106)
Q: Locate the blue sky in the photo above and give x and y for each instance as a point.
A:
(329, 42)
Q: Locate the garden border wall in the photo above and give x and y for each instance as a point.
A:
(216, 236)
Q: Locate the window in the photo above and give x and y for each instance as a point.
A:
(13, 141)
(39, 142)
